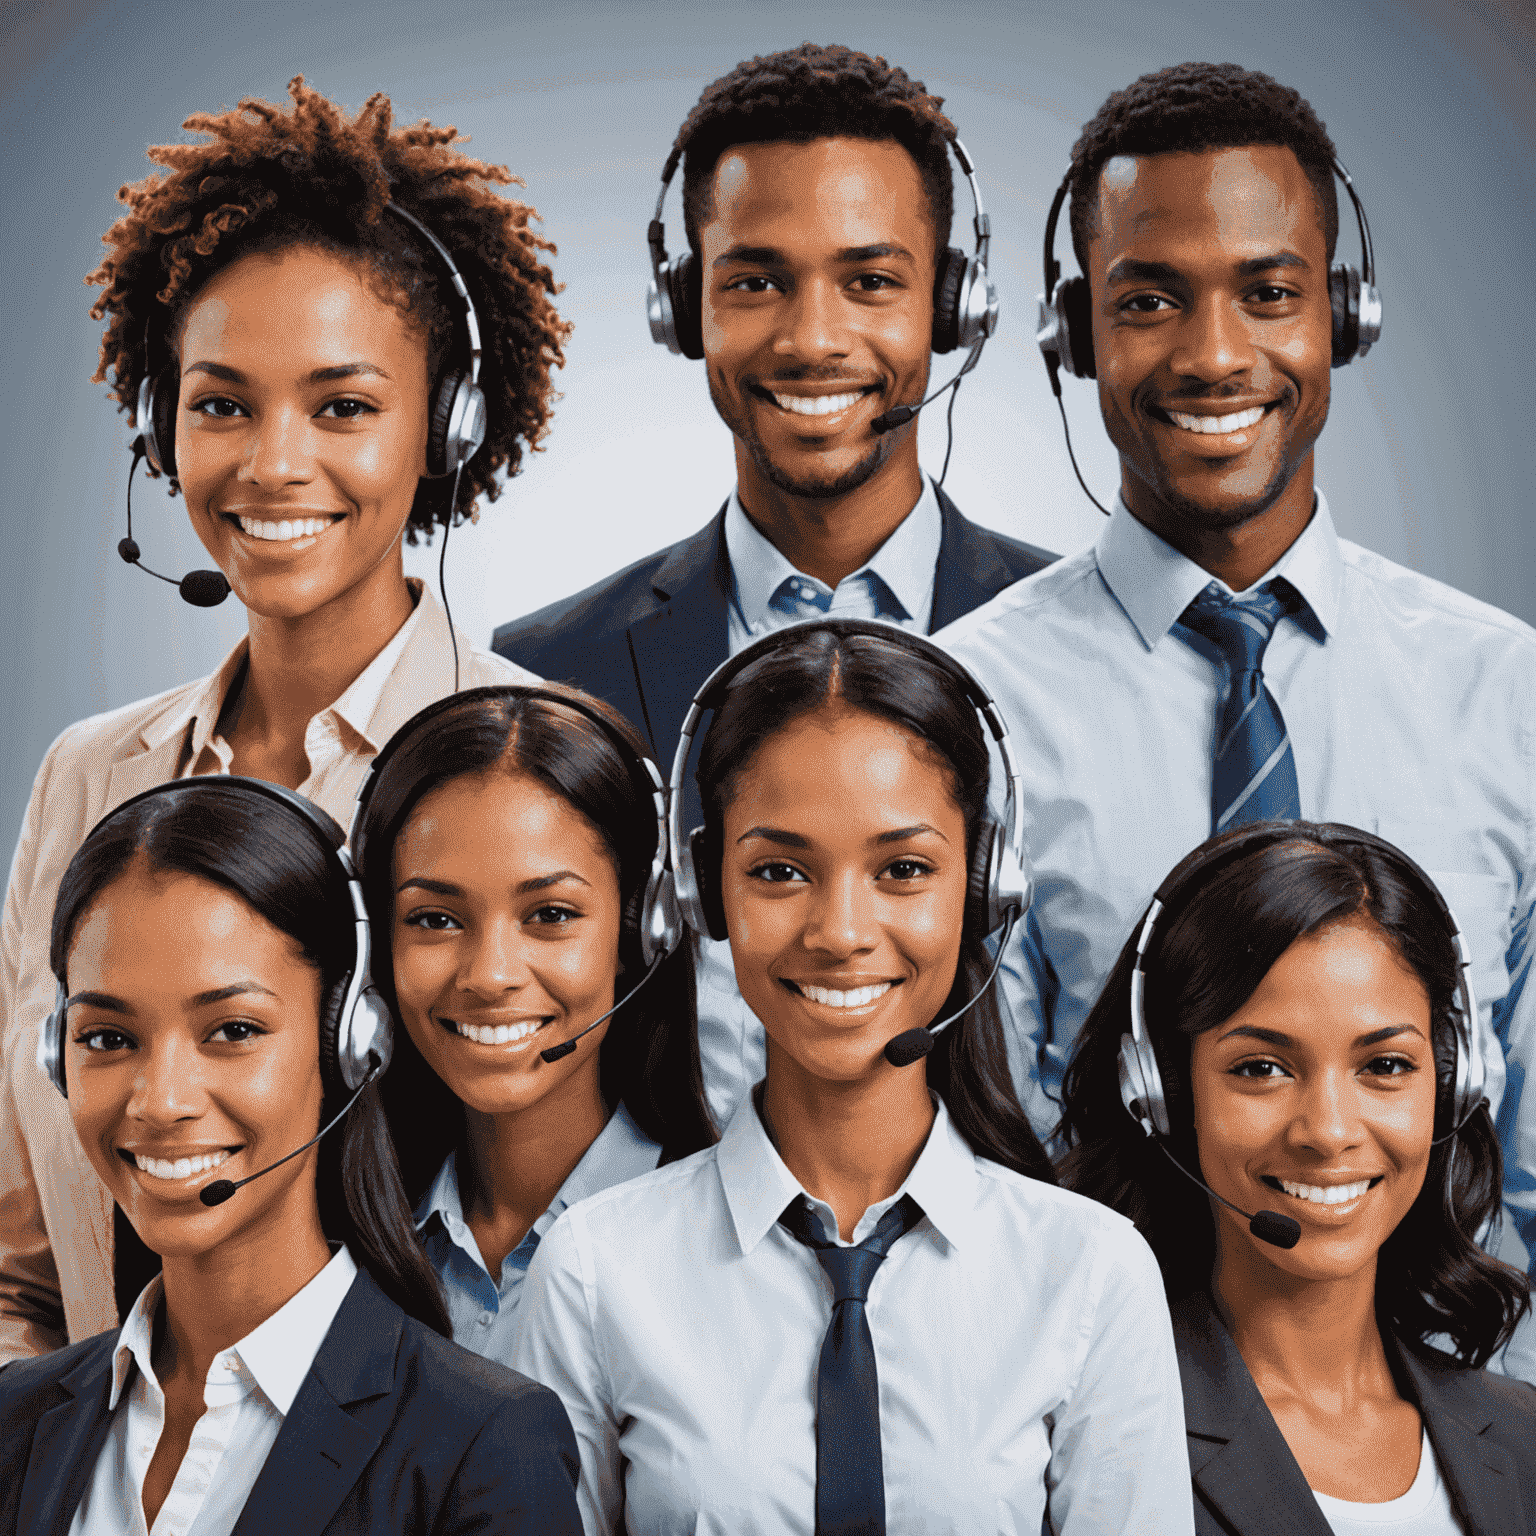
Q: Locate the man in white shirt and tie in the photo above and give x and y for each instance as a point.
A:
(1220, 655)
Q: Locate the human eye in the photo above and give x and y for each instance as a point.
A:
(1390, 1066)
(908, 869)
(220, 407)
(1258, 1068)
(752, 282)
(104, 1038)
(875, 282)
(432, 920)
(552, 916)
(1145, 304)
(236, 1032)
(347, 409)
(774, 872)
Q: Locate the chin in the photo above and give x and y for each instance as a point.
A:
(824, 486)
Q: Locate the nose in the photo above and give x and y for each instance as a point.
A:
(1213, 340)
(841, 917)
(814, 325)
(494, 961)
(1327, 1117)
(168, 1084)
(279, 449)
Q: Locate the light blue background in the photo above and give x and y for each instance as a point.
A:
(1428, 456)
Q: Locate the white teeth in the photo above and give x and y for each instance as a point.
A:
(1213, 425)
(817, 405)
(853, 999)
(1329, 1194)
(496, 1034)
(286, 529)
(181, 1167)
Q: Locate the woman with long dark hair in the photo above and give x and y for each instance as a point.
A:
(1291, 1028)
(505, 840)
(868, 1308)
(287, 1368)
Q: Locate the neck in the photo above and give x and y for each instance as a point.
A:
(518, 1162)
(850, 1144)
(1312, 1340)
(214, 1299)
(1238, 553)
(301, 665)
(832, 537)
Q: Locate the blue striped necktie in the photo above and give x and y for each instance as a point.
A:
(850, 1470)
(1255, 771)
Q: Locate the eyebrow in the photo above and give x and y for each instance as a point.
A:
(1130, 269)
(1279, 1037)
(447, 888)
(110, 1004)
(795, 840)
(316, 376)
(771, 256)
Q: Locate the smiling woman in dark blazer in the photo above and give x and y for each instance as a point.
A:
(287, 1371)
(1300, 1008)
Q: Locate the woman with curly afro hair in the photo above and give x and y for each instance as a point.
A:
(277, 287)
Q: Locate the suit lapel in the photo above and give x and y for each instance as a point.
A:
(1239, 1461)
(132, 775)
(66, 1443)
(321, 1450)
(678, 645)
(1481, 1476)
(969, 569)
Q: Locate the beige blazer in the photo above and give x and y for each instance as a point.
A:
(55, 1214)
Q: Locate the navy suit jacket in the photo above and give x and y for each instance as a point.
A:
(1247, 1482)
(661, 625)
(393, 1430)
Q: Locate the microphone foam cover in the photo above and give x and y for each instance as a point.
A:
(1270, 1227)
(558, 1052)
(897, 416)
(204, 589)
(129, 550)
(217, 1192)
(907, 1047)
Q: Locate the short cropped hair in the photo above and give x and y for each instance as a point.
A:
(1194, 107)
(269, 179)
(813, 92)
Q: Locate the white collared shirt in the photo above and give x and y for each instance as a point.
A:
(483, 1307)
(1024, 1351)
(1411, 711)
(250, 1390)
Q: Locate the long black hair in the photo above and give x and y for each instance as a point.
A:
(1212, 949)
(248, 843)
(649, 1058)
(916, 687)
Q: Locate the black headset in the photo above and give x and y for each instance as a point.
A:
(1141, 1082)
(999, 884)
(964, 297)
(356, 1030)
(654, 921)
(1065, 332)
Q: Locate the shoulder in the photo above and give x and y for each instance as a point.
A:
(1018, 557)
(1503, 1407)
(1417, 599)
(30, 1386)
(1053, 589)
(638, 1218)
(448, 1384)
(601, 611)
(94, 744)
(483, 669)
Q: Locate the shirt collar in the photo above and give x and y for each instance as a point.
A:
(1154, 583)
(758, 1185)
(620, 1152)
(905, 563)
(278, 1353)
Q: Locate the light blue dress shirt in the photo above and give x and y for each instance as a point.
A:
(483, 1309)
(1411, 710)
(769, 593)
(1028, 1380)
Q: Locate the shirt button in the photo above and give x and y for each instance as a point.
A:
(485, 1319)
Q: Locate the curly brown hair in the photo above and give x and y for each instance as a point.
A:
(815, 92)
(270, 178)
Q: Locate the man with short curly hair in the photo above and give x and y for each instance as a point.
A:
(817, 199)
(1236, 659)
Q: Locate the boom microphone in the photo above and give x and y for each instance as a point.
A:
(558, 1052)
(221, 1189)
(1267, 1226)
(913, 1044)
(900, 415)
(203, 589)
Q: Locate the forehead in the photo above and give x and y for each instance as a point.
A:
(851, 191)
(1226, 204)
(302, 305)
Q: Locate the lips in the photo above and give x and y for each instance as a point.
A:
(1323, 1194)
(817, 405)
(835, 997)
(1207, 424)
(495, 1034)
(284, 530)
(178, 1167)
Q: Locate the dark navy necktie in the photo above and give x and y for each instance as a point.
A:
(1255, 771)
(850, 1473)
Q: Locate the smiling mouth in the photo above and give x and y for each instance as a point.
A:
(1323, 1194)
(831, 997)
(176, 1168)
(495, 1034)
(1213, 426)
(814, 405)
(283, 530)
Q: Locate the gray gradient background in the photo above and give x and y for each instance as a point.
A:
(1427, 458)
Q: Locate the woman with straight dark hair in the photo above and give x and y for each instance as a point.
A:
(287, 1368)
(1296, 1034)
(868, 1308)
(505, 840)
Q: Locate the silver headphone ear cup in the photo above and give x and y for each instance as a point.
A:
(1133, 1091)
(978, 307)
(1012, 884)
(50, 1042)
(466, 424)
(661, 921)
(366, 1036)
(658, 312)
